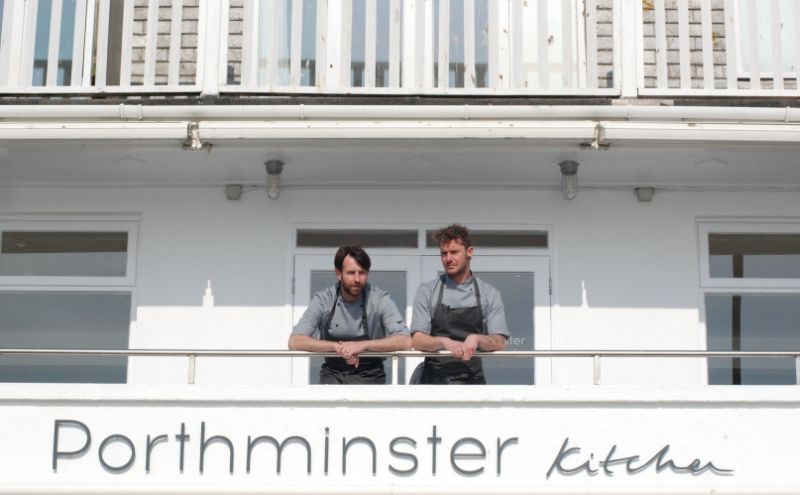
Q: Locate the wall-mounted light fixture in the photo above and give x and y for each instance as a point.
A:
(569, 179)
(274, 170)
(192, 141)
(644, 194)
(233, 192)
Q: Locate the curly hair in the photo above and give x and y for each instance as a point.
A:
(356, 252)
(453, 232)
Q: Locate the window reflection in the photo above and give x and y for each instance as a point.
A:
(752, 322)
(63, 254)
(36, 320)
(754, 255)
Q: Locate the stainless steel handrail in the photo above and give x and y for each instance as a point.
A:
(596, 355)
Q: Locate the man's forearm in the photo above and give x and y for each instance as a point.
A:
(424, 342)
(391, 343)
(300, 342)
(492, 342)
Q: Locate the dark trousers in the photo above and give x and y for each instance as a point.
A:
(371, 375)
(445, 371)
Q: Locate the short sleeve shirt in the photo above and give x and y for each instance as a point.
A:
(383, 317)
(459, 296)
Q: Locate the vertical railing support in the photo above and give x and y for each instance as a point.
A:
(212, 33)
(797, 369)
(596, 373)
(395, 369)
(11, 44)
(192, 363)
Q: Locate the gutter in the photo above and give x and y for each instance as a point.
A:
(139, 112)
(594, 134)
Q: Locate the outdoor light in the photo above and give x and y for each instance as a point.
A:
(644, 194)
(233, 192)
(274, 169)
(569, 179)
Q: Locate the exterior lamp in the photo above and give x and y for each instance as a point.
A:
(274, 169)
(644, 194)
(569, 179)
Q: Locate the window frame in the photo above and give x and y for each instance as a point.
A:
(708, 283)
(131, 227)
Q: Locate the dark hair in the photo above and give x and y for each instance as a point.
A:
(453, 232)
(357, 253)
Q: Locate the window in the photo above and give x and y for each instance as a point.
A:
(65, 285)
(751, 282)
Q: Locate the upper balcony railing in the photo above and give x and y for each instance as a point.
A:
(441, 47)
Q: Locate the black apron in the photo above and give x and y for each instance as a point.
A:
(457, 324)
(335, 370)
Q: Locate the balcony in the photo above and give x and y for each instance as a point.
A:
(731, 48)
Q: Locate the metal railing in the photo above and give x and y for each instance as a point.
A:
(595, 355)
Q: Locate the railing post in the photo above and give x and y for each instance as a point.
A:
(797, 369)
(11, 43)
(396, 369)
(627, 46)
(192, 363)
(211, 35)
(596, 373)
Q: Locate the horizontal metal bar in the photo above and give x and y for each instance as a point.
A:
(496, 354)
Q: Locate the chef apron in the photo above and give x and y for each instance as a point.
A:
(457, 324)
(335, 370)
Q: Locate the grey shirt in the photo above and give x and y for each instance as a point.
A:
(383, 318)
(459, 296)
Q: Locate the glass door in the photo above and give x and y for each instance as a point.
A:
(524, 284)
(396, 274)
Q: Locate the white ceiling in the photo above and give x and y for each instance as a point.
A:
(343, 162)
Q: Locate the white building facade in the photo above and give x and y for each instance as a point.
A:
(151, 268)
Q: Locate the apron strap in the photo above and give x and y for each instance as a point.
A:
(477, 298)
(480, 306)
(326, 324)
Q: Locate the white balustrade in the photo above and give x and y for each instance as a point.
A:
(720, 47)
(438, 47)
(116, 47)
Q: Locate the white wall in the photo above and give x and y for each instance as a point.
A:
(743, 431)
(625, 274)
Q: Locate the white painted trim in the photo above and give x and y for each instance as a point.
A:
(444, 44)
(101, 64)
(11, 43)
(469, 43)
(370, 41)
(731, 46)
(655, 115)
(250, 55)
(126, 51)
(28, 43)
(175, 32)
(295, 43)
(542, 46)
(775, 34)
(78, 39)
(590, 21)
(708, 44)
(151, 38)
(661, 45)
(395, 13)
(54, 42)
(683, 43)
(752, 35)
